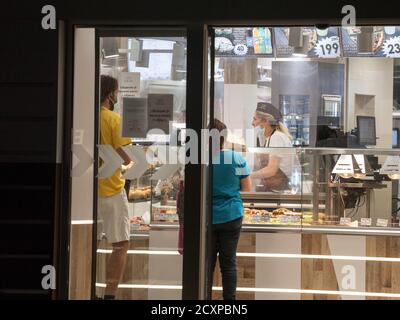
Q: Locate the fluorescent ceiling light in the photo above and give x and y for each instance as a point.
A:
(264, 290)
(300, 55)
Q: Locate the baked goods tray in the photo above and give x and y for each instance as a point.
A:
(152, 199)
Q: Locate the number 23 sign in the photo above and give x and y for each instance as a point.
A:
(391, 47)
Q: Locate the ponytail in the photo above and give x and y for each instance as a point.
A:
(277, 125)
(281, 127)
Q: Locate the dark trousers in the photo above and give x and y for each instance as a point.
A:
(225, 238)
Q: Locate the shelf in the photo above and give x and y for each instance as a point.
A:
(284, 205)
(278, 196)
(139, 200)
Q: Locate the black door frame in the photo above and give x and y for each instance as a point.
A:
(194, 110)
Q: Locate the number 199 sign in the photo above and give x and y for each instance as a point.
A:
(328, 48)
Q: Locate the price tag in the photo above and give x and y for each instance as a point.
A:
(240, 49)
(345, 221)
(382, 223)
(366, 222)
(328, 48)
(391, 47)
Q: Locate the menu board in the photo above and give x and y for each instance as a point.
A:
(332, 42)
(243, 41)
(385, 41)
(322, 43)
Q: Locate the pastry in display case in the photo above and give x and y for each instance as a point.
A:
(281, 216)
(163, 206)
(139, 193)
(141, 189)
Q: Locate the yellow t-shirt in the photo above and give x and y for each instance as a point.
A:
(110, 133)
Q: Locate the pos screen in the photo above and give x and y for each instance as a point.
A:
(366, 130)
(395, 138)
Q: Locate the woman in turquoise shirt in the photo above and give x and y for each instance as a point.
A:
(231, 175)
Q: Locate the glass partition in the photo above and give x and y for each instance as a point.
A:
(315, 113)
(299, 100)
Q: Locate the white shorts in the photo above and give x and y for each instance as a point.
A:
(113, 218)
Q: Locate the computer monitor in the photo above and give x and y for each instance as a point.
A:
(366, 130)
(395, 138)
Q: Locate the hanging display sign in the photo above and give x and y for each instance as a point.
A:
(375, 41)
(391, 47)
(307, 42)
(332, 42)
(239, 42)
(328, 47)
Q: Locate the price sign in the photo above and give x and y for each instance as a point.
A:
(240, 50)
(345, 221)
(328, 48)
(391, 47)
(382, 223)
(366, 222)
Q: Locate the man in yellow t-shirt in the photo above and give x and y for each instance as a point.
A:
(113, 214)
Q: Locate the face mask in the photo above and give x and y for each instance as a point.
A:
(259, 131)
(113, 102)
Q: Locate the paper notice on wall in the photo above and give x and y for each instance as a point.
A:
(160, 111)
(129, 84)
(134, 117)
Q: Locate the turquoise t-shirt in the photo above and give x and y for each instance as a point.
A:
(227, 203)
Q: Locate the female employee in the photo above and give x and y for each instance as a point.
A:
(230, 176)
(273, 170)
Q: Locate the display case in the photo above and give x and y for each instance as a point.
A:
(153, 200)
(336, 188)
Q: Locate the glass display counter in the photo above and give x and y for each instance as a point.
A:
(154, 200)
(352, 189)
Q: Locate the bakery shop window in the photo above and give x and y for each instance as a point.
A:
(316, 114)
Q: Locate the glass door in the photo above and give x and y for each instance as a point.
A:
(141, 120)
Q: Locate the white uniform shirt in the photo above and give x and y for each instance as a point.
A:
(287, 161)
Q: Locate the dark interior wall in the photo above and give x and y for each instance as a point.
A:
(28, 127)
(252, 11)
(28, 113)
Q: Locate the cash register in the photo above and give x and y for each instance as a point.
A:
(347, 192)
